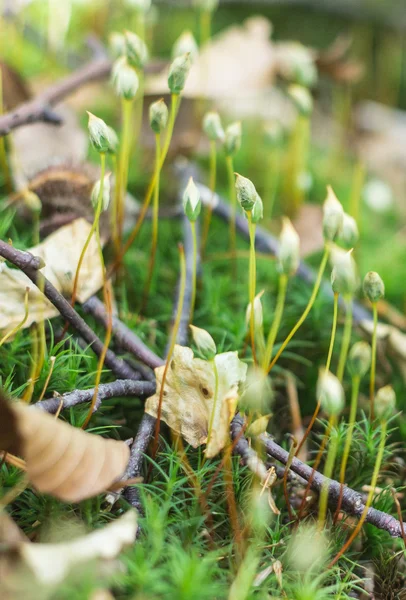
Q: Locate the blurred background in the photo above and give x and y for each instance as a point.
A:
(348, 55)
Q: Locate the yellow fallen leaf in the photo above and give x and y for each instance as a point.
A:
(188, 397)
(60, 459)
(60, 252)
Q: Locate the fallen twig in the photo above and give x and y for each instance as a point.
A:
(125, 338)
(351, 502)
(39, 108)
(118, 388)
(25, 261)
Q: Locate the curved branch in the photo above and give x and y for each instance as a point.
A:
(39, 109)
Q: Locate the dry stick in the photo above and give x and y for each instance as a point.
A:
(39, 109)
(119, 388)
(25, 262)
(124, 336)
(351, 501)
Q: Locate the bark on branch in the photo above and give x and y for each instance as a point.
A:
(39, 109)
(352, 501)
(25, 261)
(118, 388)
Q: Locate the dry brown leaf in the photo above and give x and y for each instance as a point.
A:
(62, 460)
(60, 252)
(188, 397)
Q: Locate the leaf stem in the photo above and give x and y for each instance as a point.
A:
(328, 469)
(172, 117)
(277, 317)
(155, 221)
(328, 363)
(194, 273)
(212, 185)
(307, 309)
(373, 362)
(345, 344)
(252, 282)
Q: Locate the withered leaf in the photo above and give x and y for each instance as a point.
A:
(60, 252)
(52, 562)
(60, 459)
(188, 397)
(49, 563)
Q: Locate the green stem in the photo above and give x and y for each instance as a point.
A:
(172, 117)
(345, 344)
(252, 281)
(373, 362)
(193, 300)
(155, 221)
(328, 470)
(351, 423)
(273, 332)
(124, 164)
(93, 228)
(233, 204)
(333, 333)
(328, 363)
(205, 27)
(212, 185)
(307, 309)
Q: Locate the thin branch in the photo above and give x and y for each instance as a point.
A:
(39, 109)
(124, 337)
(25, 261)
(118, 388)
(351, 501)
(137, 451)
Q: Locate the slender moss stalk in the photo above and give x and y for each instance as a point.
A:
(328, 469)
(155, 220)
(93, 229)
(306, 310)
(48, 379)
(373, 361)
(345, 344)
(233, 204)
(328, 363)
(368, 503)
(107, 299)
(356, 189)
(172, 117)
(297, 162)
(348, 438)
(273, 332)
(123, 165)
(194, 272)
(174, 334)
(212, 185)
(34, 360)
(252, 282)
(205, 26)
(108, 302)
